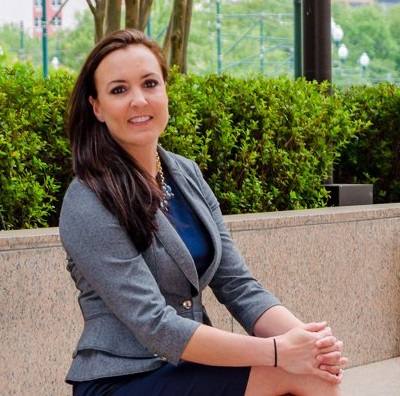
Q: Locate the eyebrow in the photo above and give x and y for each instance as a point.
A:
(143, 78)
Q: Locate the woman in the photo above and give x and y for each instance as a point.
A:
(144, 236)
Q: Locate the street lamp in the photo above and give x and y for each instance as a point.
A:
(337, 34)
(364, 62)
(44, 39)
(343, 53)
(55, 63)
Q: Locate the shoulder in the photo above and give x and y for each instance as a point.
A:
(79, 195)
(176, 162)
(81, 203)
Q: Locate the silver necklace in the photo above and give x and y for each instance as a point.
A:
(165, 188)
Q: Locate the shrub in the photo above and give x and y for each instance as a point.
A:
(373, 155)
(263, 144)
(34, 153)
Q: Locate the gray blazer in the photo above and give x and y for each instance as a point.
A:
(141, 309)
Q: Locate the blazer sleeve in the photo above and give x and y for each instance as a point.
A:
(116, 272)
(233, 284)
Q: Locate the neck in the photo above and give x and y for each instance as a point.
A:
(147, 159)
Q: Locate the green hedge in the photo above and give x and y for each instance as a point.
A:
(373, 155)
(34, 152)
(263, 144)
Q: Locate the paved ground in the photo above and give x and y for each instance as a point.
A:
(375, 379)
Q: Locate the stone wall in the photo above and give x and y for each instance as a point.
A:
(338, 264)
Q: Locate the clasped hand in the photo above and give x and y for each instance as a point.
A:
(312, 349)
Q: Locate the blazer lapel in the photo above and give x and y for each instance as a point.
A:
(195, 198)
(173, 243)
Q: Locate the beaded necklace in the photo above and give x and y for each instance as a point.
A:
(165, 188)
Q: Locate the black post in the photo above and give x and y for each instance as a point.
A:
(298, 62)
(317, 66)
(317, 55)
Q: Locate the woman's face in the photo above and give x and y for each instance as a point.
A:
(131, 97)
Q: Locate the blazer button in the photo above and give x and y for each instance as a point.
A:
(187, 304)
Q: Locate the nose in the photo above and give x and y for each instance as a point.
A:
(138, 98)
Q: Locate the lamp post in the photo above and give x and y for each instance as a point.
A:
(364, 62)
(44, 40)
(55, 63)
(337, 34)
(317, 49)
(343, 53)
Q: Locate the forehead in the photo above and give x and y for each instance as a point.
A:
(134, 59)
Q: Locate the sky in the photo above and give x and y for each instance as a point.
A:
(15, 11)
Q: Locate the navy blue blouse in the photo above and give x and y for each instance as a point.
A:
(189, 227)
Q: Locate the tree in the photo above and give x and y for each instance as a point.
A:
(177, 37)
(107, 18)
(98, 9)
(137, 13)
(113, 16)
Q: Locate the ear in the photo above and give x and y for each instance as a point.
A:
(96, 108)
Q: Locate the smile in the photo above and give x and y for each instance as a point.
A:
(140, 119)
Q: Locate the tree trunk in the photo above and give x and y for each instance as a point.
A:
(186, 29)
(98, 10)
(132, 14)
(137, 13)
(167, 38)
(179, 30)
(144, 13)
(178, 13)
(113, 16)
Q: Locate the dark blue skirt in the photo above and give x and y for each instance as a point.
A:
(186, 379)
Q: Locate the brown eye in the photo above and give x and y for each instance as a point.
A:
(118, 90)
(151, 83)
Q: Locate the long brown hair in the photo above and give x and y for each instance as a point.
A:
(120, 183)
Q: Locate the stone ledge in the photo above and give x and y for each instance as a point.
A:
(374, 379)
(338, 264)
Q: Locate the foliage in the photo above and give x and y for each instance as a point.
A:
(371, 29)
(75, 44)
(263, 144)
(34, 153)
(379, 39)
(373, 156)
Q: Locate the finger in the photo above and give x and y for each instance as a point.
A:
(341, 374)
(326, 376)
(326, 332)
(344, 361)
(339, 345)
(326, 342)
(315, 327)
(332, 358)
(340, 364)
(336, 370)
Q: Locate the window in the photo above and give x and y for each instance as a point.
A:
(38, 5)
(56, 21)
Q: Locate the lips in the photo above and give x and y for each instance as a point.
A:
(139, 119)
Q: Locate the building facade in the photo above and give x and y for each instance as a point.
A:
(53, 16)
